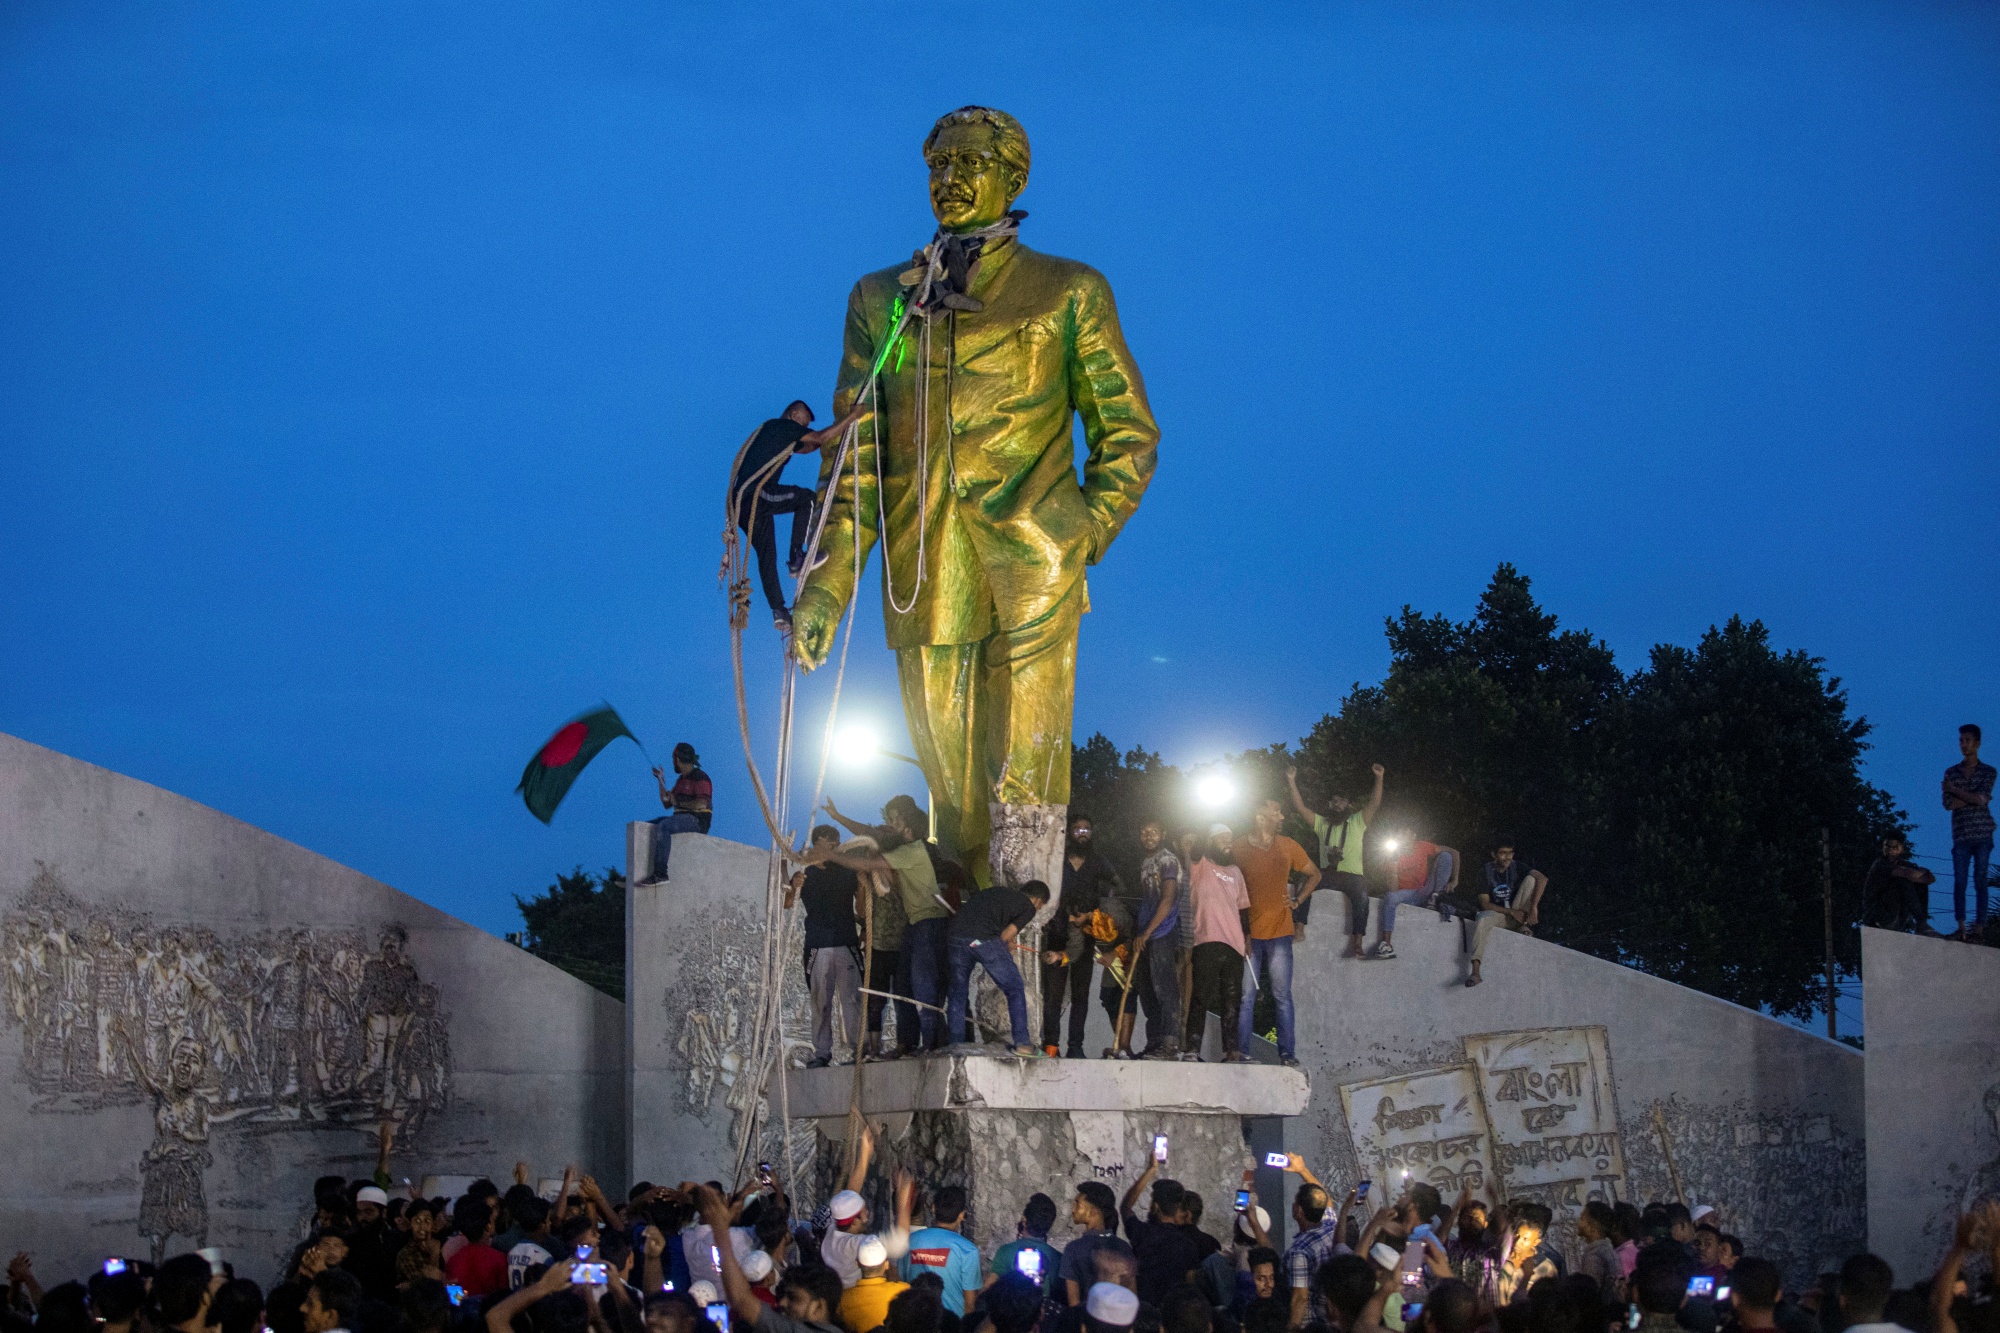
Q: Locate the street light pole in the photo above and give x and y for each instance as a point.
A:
(1826, 903)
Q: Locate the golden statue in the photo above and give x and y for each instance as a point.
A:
(966, 475)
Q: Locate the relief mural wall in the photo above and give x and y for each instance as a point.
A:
(708, 1007)
(298, 1026)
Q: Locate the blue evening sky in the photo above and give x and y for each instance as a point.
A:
(369, 372)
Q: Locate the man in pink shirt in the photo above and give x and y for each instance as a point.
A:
(1219, 897)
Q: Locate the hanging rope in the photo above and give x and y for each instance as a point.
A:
(940, 287)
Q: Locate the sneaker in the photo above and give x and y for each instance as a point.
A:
(798, 568)
(652, 883)
(1385, 950)
(782, 621)
(1123, 1055)
(818, 1062)
(1190, 1057)
(1075, 1053)
(1052, 1051)
(1167, 1052)
(1236, 1058)
(1290, 1062)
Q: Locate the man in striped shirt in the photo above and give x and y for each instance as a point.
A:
(689, 808)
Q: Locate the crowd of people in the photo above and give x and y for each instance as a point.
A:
(1209, 918)
(694, 1258)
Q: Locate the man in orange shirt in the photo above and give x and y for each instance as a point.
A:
(1268, 858)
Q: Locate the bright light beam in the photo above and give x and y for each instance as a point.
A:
(1215, 792)
(856, 745)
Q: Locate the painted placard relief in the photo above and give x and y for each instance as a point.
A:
(1428, 1124)
(1553, 1112)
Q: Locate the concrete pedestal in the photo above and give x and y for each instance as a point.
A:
(1007, 1128)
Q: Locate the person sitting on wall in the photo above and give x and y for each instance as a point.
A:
(1508, 896)
(1897, 895)
(689, 805)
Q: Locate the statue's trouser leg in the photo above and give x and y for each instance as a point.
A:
(990, 722)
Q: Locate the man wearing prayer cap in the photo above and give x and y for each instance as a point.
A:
(840, 1248)
(865, 1307)
(1110, 1306)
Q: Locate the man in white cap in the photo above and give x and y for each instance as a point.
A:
(372, 1244)
(840, 1248)
(812, 1293)
(1110, 1306)
(865, 1307)
(758, 1268)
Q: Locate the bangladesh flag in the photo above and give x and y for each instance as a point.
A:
(546, 780)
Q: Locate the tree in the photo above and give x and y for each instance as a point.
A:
(578, 923)
(1119, 793)
(1502, 726)
(1736, 756)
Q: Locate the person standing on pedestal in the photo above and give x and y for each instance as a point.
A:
(967, 476)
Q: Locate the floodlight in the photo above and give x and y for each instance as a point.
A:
(1215, 792)
(856, 744)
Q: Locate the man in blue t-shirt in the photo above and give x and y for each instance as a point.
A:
(940, 1248)
(759, 498)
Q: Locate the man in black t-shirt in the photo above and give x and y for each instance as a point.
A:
(833, 945)
(760, 498)
(1068, 954)
(1897, 895)
(1507, 895)
(983, 932)
(1168, 1255)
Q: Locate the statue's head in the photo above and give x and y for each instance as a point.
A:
(978, 158)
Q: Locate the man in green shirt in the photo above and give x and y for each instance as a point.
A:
(1341, 835)
(1032, 1235)
(920, 965)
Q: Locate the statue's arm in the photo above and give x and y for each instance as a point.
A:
(851, 510)
(1118, 423)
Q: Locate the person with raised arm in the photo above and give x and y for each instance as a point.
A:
(811, 1299)
(1342, 834)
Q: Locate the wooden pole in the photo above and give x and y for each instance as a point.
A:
(1826, 903)
(1131, 975)
(1667, 1151)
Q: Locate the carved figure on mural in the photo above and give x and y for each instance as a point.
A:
(172, 1200)
(707, 1014)
(1985, 1182)
(295, 1025)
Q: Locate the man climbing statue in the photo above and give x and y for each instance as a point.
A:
(985, 527)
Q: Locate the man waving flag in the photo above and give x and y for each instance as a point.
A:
(547, 778)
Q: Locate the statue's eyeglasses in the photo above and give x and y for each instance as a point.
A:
(965, 160)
